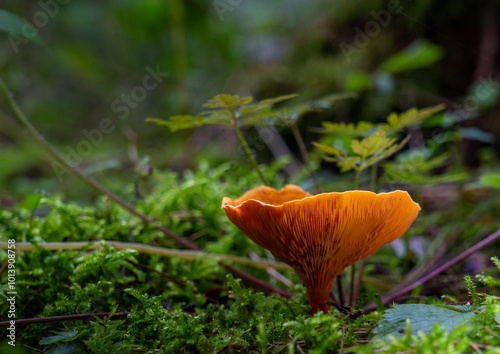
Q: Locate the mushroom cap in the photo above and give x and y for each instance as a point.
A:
(319, 236)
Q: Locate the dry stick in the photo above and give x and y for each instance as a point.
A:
(84, 316)
(437, 271)
(100, 188)
(189, 255)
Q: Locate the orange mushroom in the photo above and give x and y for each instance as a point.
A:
(319, 236)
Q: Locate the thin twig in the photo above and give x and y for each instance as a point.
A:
(259, 282)
(190, 255)
(390, 298)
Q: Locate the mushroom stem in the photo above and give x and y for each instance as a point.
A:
(318, 295)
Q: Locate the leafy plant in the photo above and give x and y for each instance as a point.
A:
(415, 167)
(363, 153)
(230, 111)
(14, 25)
(376, 144)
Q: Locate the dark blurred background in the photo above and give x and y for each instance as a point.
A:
(97, 55)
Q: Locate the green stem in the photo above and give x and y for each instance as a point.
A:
(305, 154)
(249, 153)
(356, 178)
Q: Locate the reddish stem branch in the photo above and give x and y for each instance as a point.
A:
(390, 298)
(258, 282)
(84, 316)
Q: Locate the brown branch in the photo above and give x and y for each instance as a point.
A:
(259, 282)
(390, 298)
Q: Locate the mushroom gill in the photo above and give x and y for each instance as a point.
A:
(319, 236)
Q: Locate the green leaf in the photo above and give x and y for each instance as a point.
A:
(60, 337)
(490, 180)
(359, 82)
(188, 122)
(422, 318)
(419, 54)
(225, 101)
(272, 101)
(395, 148)
(329, 100)
(375, 143)
(330, 150)
(257, 113)
(348, 163)
(415, 167)
(360, 129)
(379, 156)
(12, 24)
(225, 110)
(289, 115)
(369, 151)
(411, 117)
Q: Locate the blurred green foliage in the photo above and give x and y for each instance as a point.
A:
(97, 54)
(89, 73)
